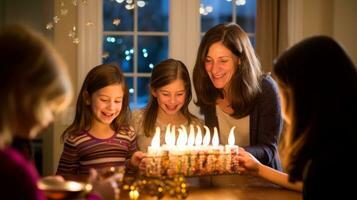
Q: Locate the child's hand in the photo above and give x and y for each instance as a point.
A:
(142, 165)
(137, 158)
(247, 163)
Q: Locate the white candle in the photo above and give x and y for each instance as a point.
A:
(215, 142)
(206, 138)
(231, 148)
(155, 149)
(198, 139)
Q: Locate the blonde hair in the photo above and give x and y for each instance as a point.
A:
(32, 73)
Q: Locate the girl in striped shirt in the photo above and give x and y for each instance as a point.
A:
(100, 135)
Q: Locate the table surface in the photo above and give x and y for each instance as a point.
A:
(244, 187)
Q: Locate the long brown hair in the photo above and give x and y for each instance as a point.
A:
(322, 81)
(163, 74)
(245, 83)
(97, 78)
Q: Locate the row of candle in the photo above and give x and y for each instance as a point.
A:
(192, 155)
(194, 141)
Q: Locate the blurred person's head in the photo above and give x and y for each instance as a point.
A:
(34, 81)
(318, 87)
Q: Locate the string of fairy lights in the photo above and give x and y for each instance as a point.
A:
(64, 9)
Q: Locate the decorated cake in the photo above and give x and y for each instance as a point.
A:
(191, 154)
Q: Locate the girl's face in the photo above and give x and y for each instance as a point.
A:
(171, 97)
(220, 65)
(106, 103)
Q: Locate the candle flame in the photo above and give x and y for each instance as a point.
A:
(198, 140)
(231, 138)
(215, 139)
(207, 137)
(191, 136)
(168, 139)
(173, 135)
(182, 138)
(155, 142)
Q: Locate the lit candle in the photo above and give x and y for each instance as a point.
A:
(181, 140)
(198, 139)
(215, 142)
(207, 137)
(154, 149)
(191, 137)
(231, 148)
(169, 141)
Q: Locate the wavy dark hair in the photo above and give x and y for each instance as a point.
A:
(244, 84)
(97, 78)
(319, 81)
(163, 74)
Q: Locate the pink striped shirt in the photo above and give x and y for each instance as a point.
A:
(84, 151)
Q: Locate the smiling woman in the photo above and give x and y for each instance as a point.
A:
(232, 91)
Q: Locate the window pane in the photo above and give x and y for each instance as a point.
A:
(117, 17)
(246, 15)
(214, 12)
(153, 15)
(119, 49)
(151, 50)
(143, 91)
(130, 85)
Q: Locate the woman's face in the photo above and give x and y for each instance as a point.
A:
(171, 97)
(220, 65)
(106, 103)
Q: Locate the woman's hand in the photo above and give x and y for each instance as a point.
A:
(248, 163)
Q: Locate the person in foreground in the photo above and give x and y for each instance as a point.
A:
(100, 136)
(170, 95)
(318, 88)
(232, 91)
(35, 87)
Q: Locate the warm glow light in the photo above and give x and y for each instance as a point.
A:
(191, 136)
(231, 138)
(207, 137)
(215, 139)
(134, 194)
(155, 142)
(74, 186)
(198, 140)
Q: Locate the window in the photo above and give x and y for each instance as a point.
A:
(138, 34)
(242, 12)
(135, 36)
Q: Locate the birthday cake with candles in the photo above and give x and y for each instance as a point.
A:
(191, 154)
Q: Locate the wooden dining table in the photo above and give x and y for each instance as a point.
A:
(245, 188)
